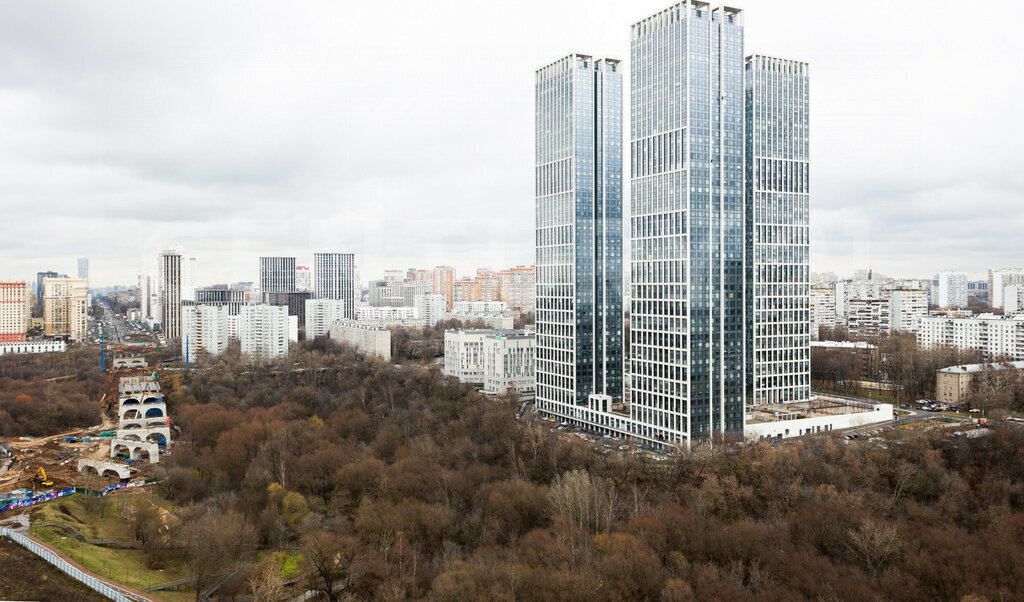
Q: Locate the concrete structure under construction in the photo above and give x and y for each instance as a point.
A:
(105, 469)
(127, 362)
(143, 426)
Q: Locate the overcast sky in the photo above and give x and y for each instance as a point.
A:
(403, 131)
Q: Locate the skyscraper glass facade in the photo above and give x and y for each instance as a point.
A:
(687, 222)
(579, 233)
(277, 274)
(778, 230)
(334, 278)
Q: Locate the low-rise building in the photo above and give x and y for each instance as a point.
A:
(500, 360)
(381, 312)
(818, 415)
(509, 362)
(953, 384)
(464, 354)
(33, 347)
(479, 307)
(495, 321)
(370, 340)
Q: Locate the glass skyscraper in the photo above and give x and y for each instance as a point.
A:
(778, 230)
(579, 238)
(687, 315)
(334, 276)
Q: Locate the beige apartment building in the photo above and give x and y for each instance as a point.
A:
(66, 307)
(953, 384)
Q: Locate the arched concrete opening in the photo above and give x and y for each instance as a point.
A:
(120, 450)
(157, 438)
(140, 454)
(133, 425)
(149, 400)
(132, 438)
(105, 469)
(131, 413)
(154, 413)
(131, 401)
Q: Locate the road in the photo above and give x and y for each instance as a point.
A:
(115, 326)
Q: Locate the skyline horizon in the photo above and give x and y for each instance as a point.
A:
(202, 128)
(460, 271)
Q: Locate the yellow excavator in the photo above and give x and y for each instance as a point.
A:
(41, 475)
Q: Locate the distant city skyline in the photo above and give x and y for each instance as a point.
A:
(224, 138)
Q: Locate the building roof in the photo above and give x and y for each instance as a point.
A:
(975, 368)
(843, 344)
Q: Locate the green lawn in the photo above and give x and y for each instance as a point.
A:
(124, 566)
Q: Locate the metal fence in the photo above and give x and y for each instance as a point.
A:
(102, 587)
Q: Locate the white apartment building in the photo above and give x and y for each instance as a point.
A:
(950, 289)
(430, 307)
(509, 361)
(998, 280)
(495, 321)
(823, 309)
(371, 340)
(65, 308)
(374, 313)
(997, 337)
(321, 313)
(869, 317)
(1013, 298)
(204, 331)
(479, 307)
(464, 354)
(264, 330)
(856, 289)
(906, 308)
(15, 310)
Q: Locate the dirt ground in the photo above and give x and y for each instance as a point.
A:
(27, 577)
(60, 458)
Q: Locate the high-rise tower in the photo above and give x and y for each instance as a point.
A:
(334, 277)
(578, 177)
(778, 231)
(277, 274)
(172, 282)
(687, 221)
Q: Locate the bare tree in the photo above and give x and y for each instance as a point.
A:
(874, 544)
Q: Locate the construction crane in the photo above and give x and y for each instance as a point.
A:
(41, 475)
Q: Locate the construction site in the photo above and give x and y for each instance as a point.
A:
(134, 433)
